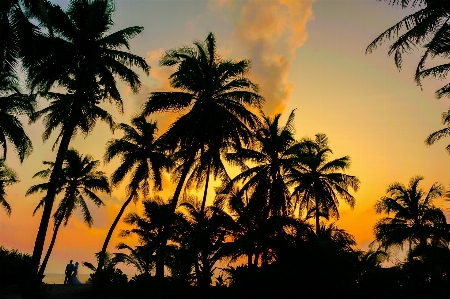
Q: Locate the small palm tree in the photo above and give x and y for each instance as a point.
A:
(13, 104)
(271, 158)
(79, 181)
(204, 236)
(318, 182)
(7, 177)
(416, 220)
(143, 157)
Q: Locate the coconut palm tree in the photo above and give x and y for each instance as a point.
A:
(16, 32)
(143, 157)
(213, 103)
(13, 104)
(204, 236)
(319, 182)
(271, 158)
(79, 181)
(427, 28)
(415, 221)
(7, 177)
(422, 26)
(82, 57)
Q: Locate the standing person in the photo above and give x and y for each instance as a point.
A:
(69, 270)
(74, 278)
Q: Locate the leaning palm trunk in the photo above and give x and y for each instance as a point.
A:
(101, 282)
(33, 281)
(317, 219)
(166, 228)
(50, 248)
(205, 193)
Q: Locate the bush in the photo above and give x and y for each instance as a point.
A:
(13, 267)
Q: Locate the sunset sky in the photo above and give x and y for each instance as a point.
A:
(306, 55)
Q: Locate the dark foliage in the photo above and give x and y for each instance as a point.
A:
(13, 266)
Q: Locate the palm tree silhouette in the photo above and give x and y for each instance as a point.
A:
(317, 180)
(78, 182)
(429, 28)
(204, 236)
(273, 155)
(81, 57)
(141, 155)
(213, 102)
(416, 220)
(13, 104)
(7, 177)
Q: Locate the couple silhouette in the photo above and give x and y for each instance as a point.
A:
(71, 273)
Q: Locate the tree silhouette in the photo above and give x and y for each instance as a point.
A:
(427, 28)
(13, 104)
(81, 57)
(416, 220)
(272, 156)
(318, 182)
(7, 178)
(143, 157)
(78, 182)
(213, 102)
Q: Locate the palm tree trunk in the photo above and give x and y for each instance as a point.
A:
(33, 281)
(166, 228)
(317, 219)
(50, 248)
(202, 209)
(101, 282)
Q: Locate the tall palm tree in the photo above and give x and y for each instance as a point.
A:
(421, 27)
(13, 104)
(416, 220)
(272, 156)
(319, 181)
(427, 28)
(213, 105)
(80, 179)
(7, 177)
(143, 157)
(82, 57)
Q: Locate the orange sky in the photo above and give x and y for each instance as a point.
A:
(306, 55)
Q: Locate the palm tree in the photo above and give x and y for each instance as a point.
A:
(422, 26)
(81, 57)
(213, 102)
(13, 104)
(428, 28)
(7, 177)
(416, 220)
(78, 182)
(204, 236)
(441, 133)
(317, 180)
(143, 157)
(16, 31)
(272, 156)
(141, 257)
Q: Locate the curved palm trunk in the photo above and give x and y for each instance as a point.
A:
(317, 219)
(166, 228)
(101, 282)
(202, 209)
(33, 281)
(49, 250)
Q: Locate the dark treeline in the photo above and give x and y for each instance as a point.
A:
(270, 230)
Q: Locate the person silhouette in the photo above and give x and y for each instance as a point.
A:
(74, 278)
(69, 271)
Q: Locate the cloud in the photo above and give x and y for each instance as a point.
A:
(269, 33)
